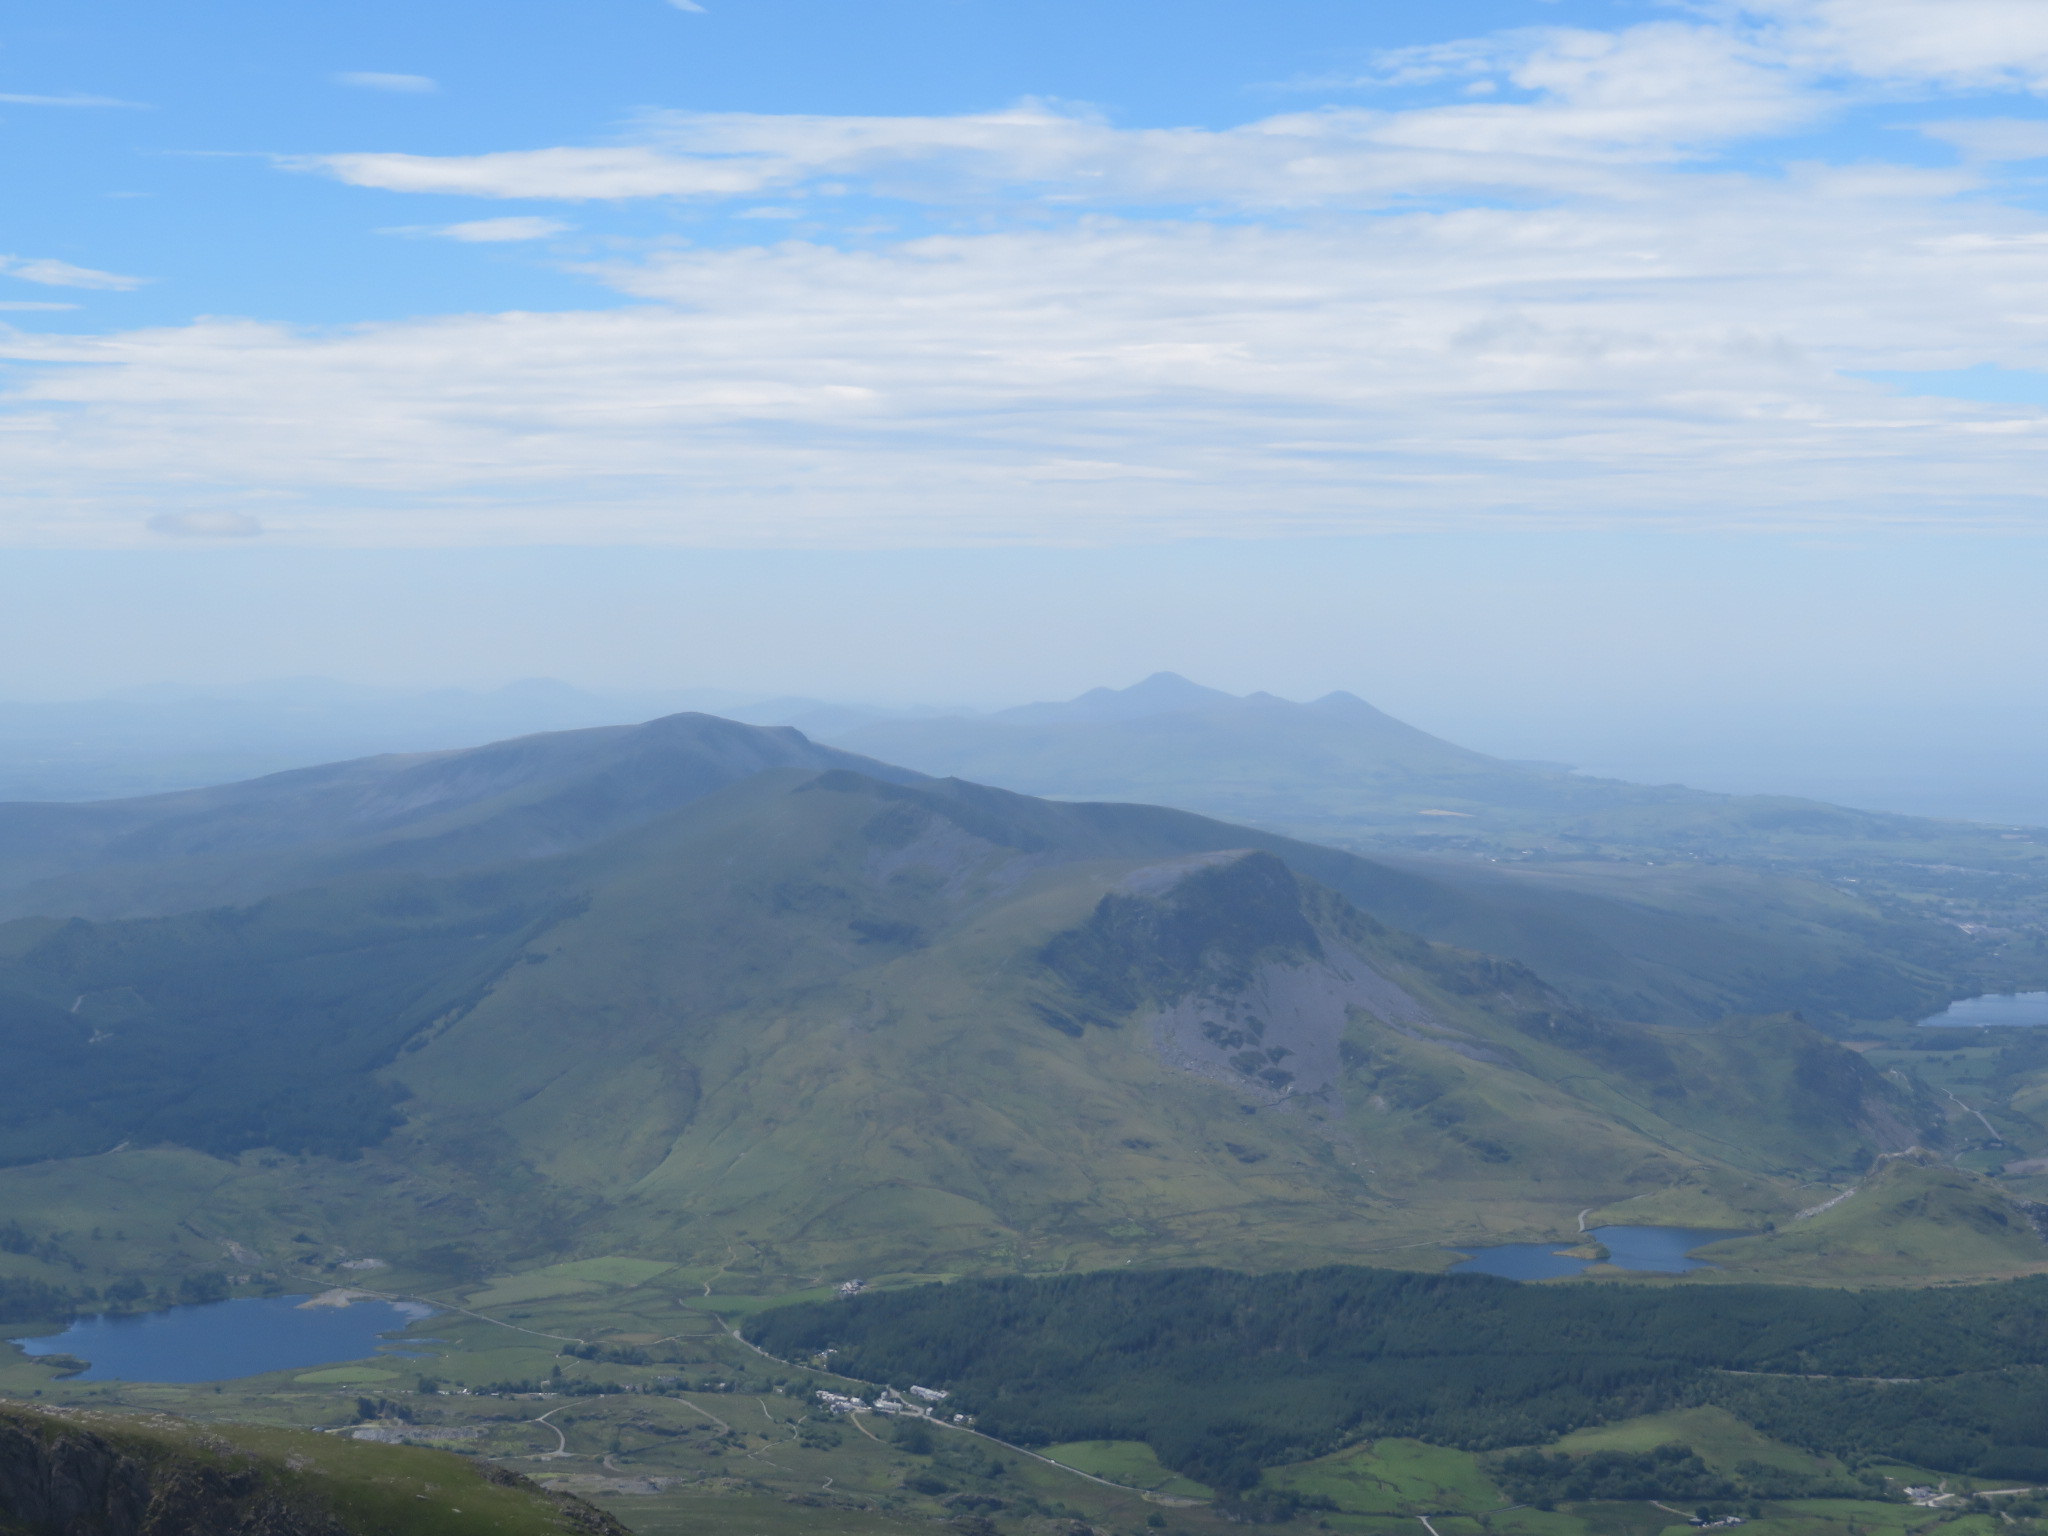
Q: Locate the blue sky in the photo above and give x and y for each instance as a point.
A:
(150, 141)
(183, 185)
(1164, 291)
(946, 272)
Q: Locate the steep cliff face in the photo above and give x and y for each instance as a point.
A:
(66, 1473)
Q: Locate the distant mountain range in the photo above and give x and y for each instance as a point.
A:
(1347, 770)
(1953, 904)
(694, 983)
(1611, 946)
(141, 741)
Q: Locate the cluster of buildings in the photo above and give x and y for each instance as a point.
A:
(888, 1402)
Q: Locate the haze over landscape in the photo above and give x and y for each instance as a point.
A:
(772, 769)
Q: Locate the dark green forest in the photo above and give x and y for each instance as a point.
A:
(1225, 1374)
(1668, 1472)
(240, 1027)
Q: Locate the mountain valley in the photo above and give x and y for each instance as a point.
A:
(611, 1040)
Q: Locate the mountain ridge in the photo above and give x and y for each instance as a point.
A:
(441, 811)
(1949, 906)
(860, 1024)
(1735, 945)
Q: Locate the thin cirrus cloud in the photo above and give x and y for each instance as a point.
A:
(52, 273)
(18, 99)
(1602, 104)
(1994, 138)
(490, 231)
(1564, 110)
(397, 85)
(567, 174)
(502, 231)
(1559, 304)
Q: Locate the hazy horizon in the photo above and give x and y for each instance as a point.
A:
(1881, 761)
(1655, 388)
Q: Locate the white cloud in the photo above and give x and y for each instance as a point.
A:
(572, 175)
(1954, 43)
(399, 85)
(1994, 138)
(18, 100)
(1635, 332)
(687, 5)
(1597, 104)
(1674, 359)
(1651, 92)
(499, 231)
(1326, 158)
(52, 273)
(21, 304)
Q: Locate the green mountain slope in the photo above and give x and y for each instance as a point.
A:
(1885, 916)
(108, 1474)
(430, 813)
(1909, 1220)
(1729, 941)
(855, 1025)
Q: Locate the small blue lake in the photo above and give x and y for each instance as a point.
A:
(2008, 1008)
(220, 1340)
(1657, 1250)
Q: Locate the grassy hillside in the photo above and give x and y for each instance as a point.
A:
(1668, 942)
(127, 1475)
(846, 1026)
(433, 813)
(1907, 1221)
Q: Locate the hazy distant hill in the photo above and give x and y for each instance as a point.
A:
(1341, 766)
(152, 740)
(430, 812)
(1957, 903)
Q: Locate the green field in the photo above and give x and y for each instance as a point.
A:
(707, 1438)
(1395, 1477)
(1130, 1462)
(1721, 1440)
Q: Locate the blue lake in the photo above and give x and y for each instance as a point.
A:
(1659, 1250)
(225, 1339)
(2025, 1008)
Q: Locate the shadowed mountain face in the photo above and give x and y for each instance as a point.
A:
(861, 1023)
(431, 813)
